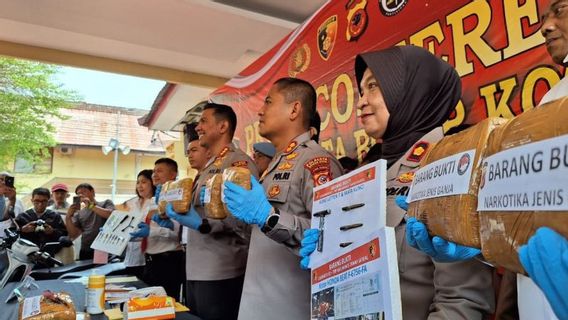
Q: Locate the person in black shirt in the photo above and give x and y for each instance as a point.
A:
(31, 228)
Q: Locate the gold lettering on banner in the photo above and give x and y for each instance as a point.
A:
(362, 141)
(458, 119)
(432, 31)
(514, 15)
(504, 89)
(472, 39)
(324, 91)
(548, 74)
(338, 116)
(252, 136)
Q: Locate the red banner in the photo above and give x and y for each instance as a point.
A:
(495, 46)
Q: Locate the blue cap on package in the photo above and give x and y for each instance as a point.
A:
(265, 148)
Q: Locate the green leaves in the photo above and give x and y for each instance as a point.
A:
(29, 100)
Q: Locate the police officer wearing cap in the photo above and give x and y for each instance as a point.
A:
(281, 208)
(263, 154)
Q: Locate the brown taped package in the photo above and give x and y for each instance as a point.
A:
(503, 232)
(455, 217)
(215, 208)
(53, 306)
(181, 188)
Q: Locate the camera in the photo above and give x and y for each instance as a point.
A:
(40, 225)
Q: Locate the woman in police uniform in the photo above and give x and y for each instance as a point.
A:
(406, 95)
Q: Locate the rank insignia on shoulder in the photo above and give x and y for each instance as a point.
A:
(285, 166)
(223, 152)
(291, 147)
(274, 191)
(240, 163)
(418, 151)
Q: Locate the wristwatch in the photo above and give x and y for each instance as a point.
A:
(271, 221)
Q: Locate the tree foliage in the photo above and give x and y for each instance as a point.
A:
(29, 99)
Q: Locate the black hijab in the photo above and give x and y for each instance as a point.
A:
(419, 89)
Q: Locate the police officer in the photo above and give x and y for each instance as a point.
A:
(275, 286)
(216, 249)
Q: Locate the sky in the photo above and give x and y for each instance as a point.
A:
(110, 89)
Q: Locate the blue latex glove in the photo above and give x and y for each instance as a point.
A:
(545, 258)
(164, 223)
(143, 231)
(190, 219)
(439, 249)
(309, 244)
(401, 202)
(157, 193)
(250, 206)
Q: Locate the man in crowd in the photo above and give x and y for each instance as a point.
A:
(275, 286)
(14, 205)
(263, 154)
(60, 193)
(161, 243)
(197, 155)
(216, 249)
(39, 224)
(87, 219)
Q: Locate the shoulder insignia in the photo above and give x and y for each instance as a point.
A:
(320, 169)
(274, 191)
(292, 156)
(240, 163)
(418, 151)
(285, 166)
(223, 152)
(406, 177)
(291, 146)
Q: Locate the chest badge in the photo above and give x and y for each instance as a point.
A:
(292, 156)
(406, 177)
(418, 151)
(274, 191)
(285, 166)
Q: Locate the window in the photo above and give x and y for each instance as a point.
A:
(43, 166)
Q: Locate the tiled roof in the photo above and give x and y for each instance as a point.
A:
(94, 125)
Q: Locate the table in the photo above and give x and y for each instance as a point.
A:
(76, 290)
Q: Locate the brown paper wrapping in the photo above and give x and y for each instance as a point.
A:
(455, 218)
(216, 209)
(503, 232)
(51, 310)
(180, 206)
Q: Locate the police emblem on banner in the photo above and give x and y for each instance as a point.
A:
(390, 8)
(299, 60)
(327, 32)
(357, 19)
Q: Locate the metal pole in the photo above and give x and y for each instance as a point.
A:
(115, 169)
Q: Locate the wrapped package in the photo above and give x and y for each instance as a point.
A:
(453, 160)
(49, 306)
(214, 206)
(178, 193)
(150, 308)
(524, 182)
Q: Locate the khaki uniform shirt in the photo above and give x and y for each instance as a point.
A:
(222, 253)
(275, 286)
(432, 290)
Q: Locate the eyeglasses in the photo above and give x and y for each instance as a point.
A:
(39, 201)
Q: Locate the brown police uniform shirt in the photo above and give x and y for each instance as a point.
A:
(222, 253)
(431, 290)
(275, 285)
